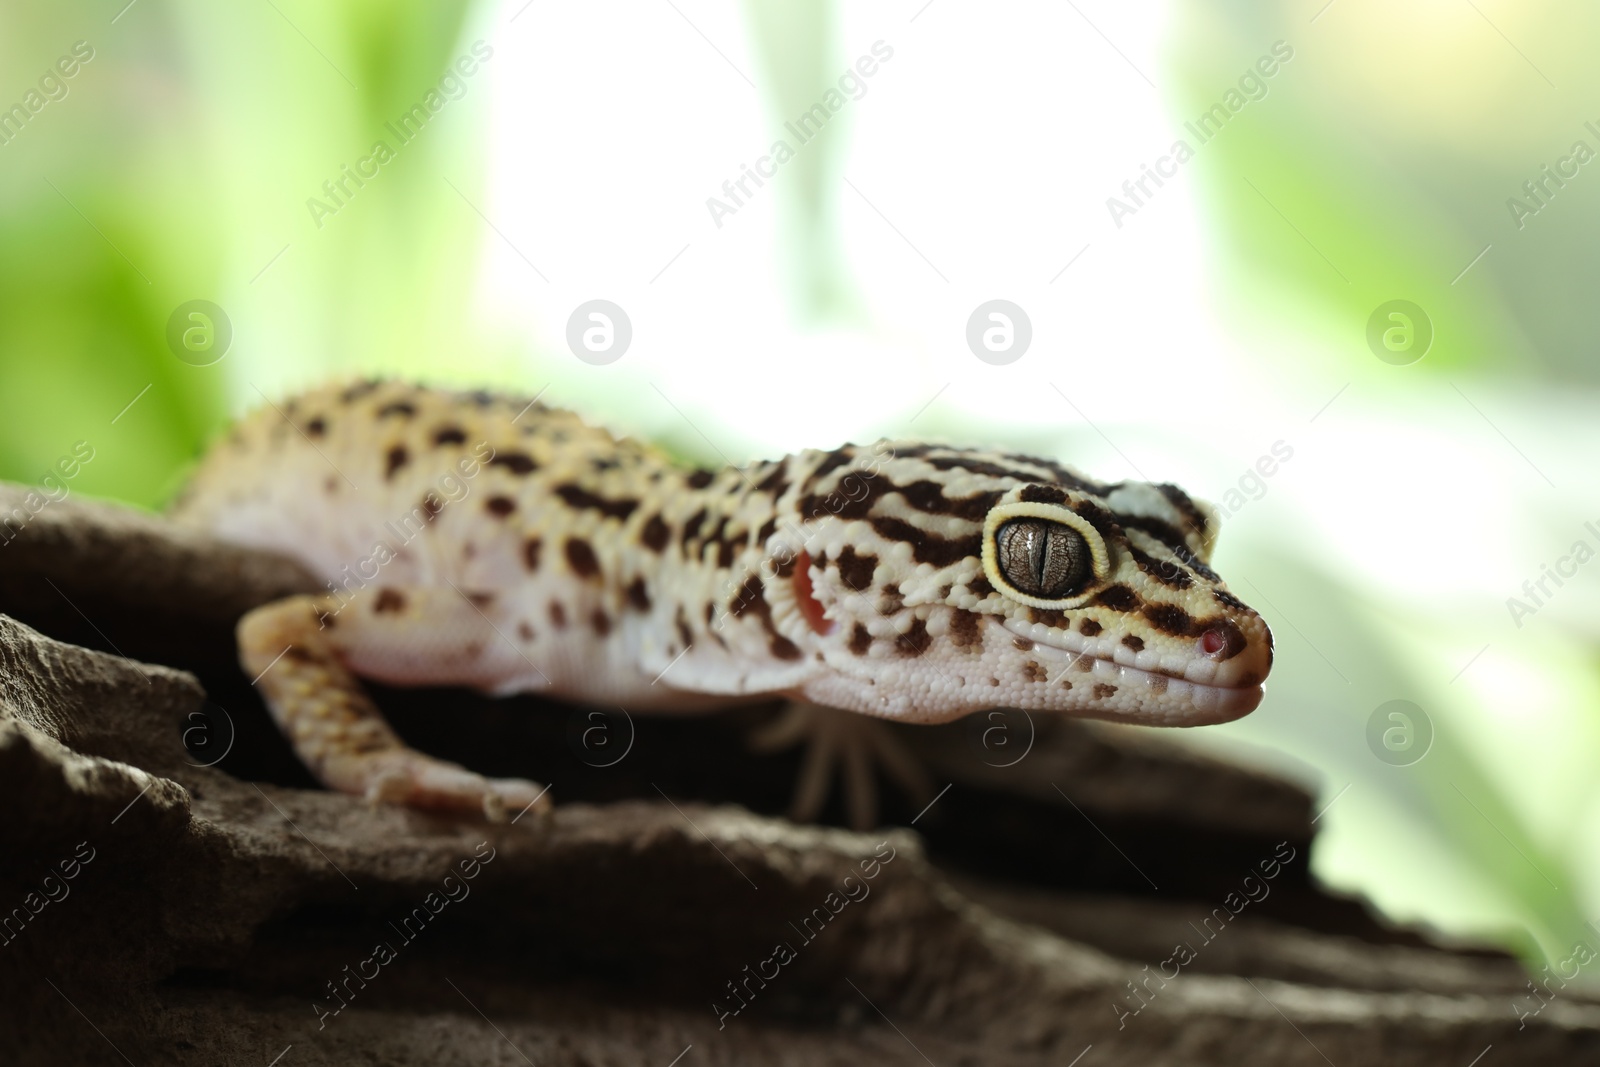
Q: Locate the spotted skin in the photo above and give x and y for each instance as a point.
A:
(605, 573)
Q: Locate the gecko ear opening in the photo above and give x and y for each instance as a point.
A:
(810, 607)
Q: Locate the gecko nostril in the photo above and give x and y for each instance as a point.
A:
(1222, 640)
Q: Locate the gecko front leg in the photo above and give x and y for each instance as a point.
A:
(833, 737)
(301, 650)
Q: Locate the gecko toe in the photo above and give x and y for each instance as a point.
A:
(509, 799)
(853, 746)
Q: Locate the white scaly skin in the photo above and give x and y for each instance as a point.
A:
(610, 575)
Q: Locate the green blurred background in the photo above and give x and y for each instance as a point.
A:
(1224, 319)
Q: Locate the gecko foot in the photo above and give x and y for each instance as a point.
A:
(298, 660)
(858, 742)
(419, 781)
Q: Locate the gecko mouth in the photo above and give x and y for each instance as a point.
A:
(1168, 701)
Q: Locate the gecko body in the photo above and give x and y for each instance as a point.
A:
(484, 540)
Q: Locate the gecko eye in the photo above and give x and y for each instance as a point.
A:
(1044, 555)
(1044, 559)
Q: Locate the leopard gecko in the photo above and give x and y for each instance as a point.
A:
(489, 541)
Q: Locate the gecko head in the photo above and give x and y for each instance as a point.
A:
(933, 582)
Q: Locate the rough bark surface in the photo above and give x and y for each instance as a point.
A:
(228, 913)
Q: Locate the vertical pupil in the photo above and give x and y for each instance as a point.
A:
(1041, 554)
(1040, 558)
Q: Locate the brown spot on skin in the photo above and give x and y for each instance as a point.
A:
(892, 600)
(1168, 572)
(774, 483)
(530, 553)
(994, 682)
(577, 496)
(474, 649)
(842, 502)
(944, 591)
(964, 461)
(1136, 644)
(784, 648)
(1033, 672)
(980, 587)
(525, 631)
(1173, 538)
(515, 462)
(700, 479)
(1066, 684)
(449, 435)
(360, 389)
(915, 641)
(1104, 522)
(638, 595)
(1228, 600)
(1043, 494)
(1088, 627)
(928, 547)
(299, 654)
(1102, 690)
(558, 615)
(1083, 664)
(398, 407)
(601, 622)
(500, 506)
(581, 558)
(929, 497)
(1170, 619)
(431, 506)
(966, 630)
(1186, 507)
(1022, 644)
(389, 600)
(768, 528)
(396, 459)
(330, 484)
(784, 568)
(860, 640)
(1054, 618)
(751, 597)
(655, 534)
(833, 461)
(1117, 597)
(726, 552)
(481, 600)
(856, 571)
(684, 633)
(691, 528)
(317, 427)
(715, 537)
(1158, 683)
